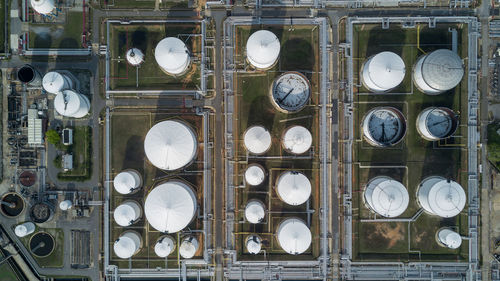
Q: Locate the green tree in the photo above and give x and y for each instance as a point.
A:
(53, 137)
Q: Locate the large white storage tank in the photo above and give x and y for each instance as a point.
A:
(449, 238)
(293, 188)
(172, 56)
(24, 229)
(170, 206)
(435, 123)
(294, 236)
(383, 72)
(44, 7)
(441, 197)
(253, 244)
(164, 246)
(263, 49)
(127, 182)
(254, 174)
(54, 82)
(257, 140)
(127, 245)
(170, 145)
(255, 211)
(135, 57)
(189, 247)
(386, 197)
(127, 213)
(71, 104)
(438, 71)
(384, 126)
(297, 140)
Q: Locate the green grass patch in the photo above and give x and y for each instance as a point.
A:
(494, 144)
(82, 155)
(127, 4)
(58, 36)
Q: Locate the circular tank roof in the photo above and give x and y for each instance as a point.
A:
(53, 82)
(170, 206)
(294, 236)
(126, 213)
(126, 245)
(293, 187)
(170, 145)
(254, 175)
(71, 104)
(26, 74)
(255, 211)
(40, 212)
(254, 244)
(263, 49)
(24, 229)
(126, 182)
(440, 122)
(291, 91)
(441, 197)
(386, 197)
(442, 69)
(257, 139)
(449, 238)
(172, 55)
(135, 56)
(188, 247)
(27, 178)
(383, 72)
(65, 205)
(384, 126)
(297, 139)
(43, 6)
(164, 246)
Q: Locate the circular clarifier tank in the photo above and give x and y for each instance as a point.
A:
(12, 204)
(41, 212)
(384, 126)
(42, 244)
(27, 178)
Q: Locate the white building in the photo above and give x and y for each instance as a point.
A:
(189, 247)
(297, 140)
(44, 7)
(253, 244)
(263, 49)
(71, 104)
(257, 140)
(164, 246)
(449, 238)
(127, 182)
(172, 56)
(255, 211)
(386, 197)
(127, 213)
(435, 123)
(127, 245)
(254, 174)
(54, 82)
(135, 57)
(383, 72)
(67, 162)
(441, 197)
(294, 236)
(293, 188)
(35, 128)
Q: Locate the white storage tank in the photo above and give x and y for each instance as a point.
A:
(441, 197)
(436, 123)
(263, 49)
(257, 140)
(127, 245)
(172, 56)
(44, 7)
(71, 104)
(449, 238)
(297, 140)
(293, 187)
(383, 72)
(65, 205)
(164, 246)
(253, 244)
(189, 247)
(54, 82)
(294, 236)
(386, 197)
(254, 174)
(135, 57)
(127, 182)
(127, 213)
(384, 126)
(255, 211)
(24, 229)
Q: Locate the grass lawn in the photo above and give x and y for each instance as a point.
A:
(82, 155)
(494, 144)
(127, 4)
(55, 259)
(58, 36)
(7, 273)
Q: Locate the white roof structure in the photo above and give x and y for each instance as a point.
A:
(257, 140)
(170, 206)
(188, 248)
(170, 145)
(164, 246)
(384, 126)
(43, 6)
(263, 49)
(71, 104)
(54, 82)
(386, 197)
(65, 205)
(172, 55)
(35, 133)
(293, 187)
(294, 236)
(254, 174)
(297, 139)
(438, 71)
(24, 229)
(127, 245)
(127, 213)
(127, 181)
(253, 244)
(383, 72)
(449, 238)
(255, 211)
(441, 197)
(435, 123)
(135, 57)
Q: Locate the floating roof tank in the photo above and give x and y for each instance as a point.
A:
(386, 197)
(383, 72)
(435, 123)
(44, 7)
(170, 145)
(24, 229)
(135, 57)
(54, 82)
(441, 197)
(188, 248)
(29, 75)
(127, 213)
(297, 140)
(257, 140)
(449, 238)
(263, 49)
(170, 206)
(127, 182)
(254, 174)
(290, 92)
(294, 236)
(293, 188)
(172, 56)
(384, 126)
(65, 205)
(255, 211)
(438, 71)
(127, 245)
(164, 246)
(71, 104)
(253, 244)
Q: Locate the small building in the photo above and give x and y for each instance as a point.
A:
(67, 136)
(67, 162)
(35, 128)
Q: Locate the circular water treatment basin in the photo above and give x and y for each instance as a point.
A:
(12, 204)
(26, 74)
(27, 178)
(42, 244)
(40, 212)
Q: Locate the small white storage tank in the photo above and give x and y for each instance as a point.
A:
(386, 197)
(293, 188)
(188, 248)
(263, 49)
(253, 244)
(254, 174)
(24, 229)
(65, 205)
(127, 245)
(54, 82)
(135, 57)
(297, 140)
(449, 238)
(383, 72)
(71, 104)
(438, 71)
(172, 56)
(170, 145)
(127, 213)
(441, 197)
(164, 246)
(294, 236)
(257, 140)
(44, 7)
(255, 211)
(435, 123)
(127, 182)
(384, 126)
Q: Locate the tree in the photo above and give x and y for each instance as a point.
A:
(53, 137)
